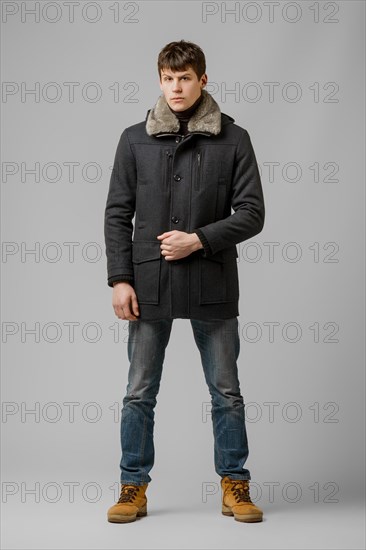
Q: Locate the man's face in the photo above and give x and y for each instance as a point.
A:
(183, 85)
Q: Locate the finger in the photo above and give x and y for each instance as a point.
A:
(135, 306)
(118, 310)
(131, 317)
(165, 235)
(166, 251)
(128, 313)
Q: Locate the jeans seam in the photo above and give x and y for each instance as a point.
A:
(143, 444)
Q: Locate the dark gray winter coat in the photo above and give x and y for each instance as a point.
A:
(167, 181)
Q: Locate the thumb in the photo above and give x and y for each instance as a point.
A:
(135, 306)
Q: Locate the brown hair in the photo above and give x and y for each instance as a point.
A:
(176, 56)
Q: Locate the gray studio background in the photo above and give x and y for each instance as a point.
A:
(301, 364)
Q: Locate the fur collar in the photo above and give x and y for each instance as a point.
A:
(206, 118)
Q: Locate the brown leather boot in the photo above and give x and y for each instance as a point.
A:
(131, 504)
(236, 500)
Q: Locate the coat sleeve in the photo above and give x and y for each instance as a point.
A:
(119, 212)
(247, 201)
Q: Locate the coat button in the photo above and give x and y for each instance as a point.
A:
(176, 177)
(177, 140)
(175, 219)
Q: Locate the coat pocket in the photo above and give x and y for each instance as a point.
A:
(218, 277)
(146, 259)
(198, 169)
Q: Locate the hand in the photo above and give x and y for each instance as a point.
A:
(178, 244)
(124, 301)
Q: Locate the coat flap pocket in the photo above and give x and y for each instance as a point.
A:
(144, 251)
(223, 255)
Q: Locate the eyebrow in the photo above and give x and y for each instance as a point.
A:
(185, 74)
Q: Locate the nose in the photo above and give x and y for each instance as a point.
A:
(176, 86)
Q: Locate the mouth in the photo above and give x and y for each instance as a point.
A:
(177, 99)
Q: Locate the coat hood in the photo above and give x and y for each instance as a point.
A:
(207, 117)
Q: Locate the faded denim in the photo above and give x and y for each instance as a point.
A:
(219, 345)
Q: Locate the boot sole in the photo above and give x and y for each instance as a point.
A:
(118, 518)
(247, 518)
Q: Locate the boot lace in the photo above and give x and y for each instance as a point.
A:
(128, 493)
(240, 489)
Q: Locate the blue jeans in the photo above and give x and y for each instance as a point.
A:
(219, 346)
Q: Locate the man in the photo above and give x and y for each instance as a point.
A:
(179, 173)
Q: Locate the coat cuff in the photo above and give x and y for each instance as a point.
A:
(120, 278)
(206, 246)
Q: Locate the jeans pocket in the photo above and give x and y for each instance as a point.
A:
(146, 259)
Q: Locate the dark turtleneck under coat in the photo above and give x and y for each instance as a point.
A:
(184, 116)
